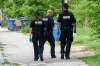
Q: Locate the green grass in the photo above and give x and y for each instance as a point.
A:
(25, 29)
(93, 60)
(4, 24)
(84, 36)
(94, 44)
(9, 63)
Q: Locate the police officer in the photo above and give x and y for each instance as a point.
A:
(36, 29)
(67, 21)
(48, 31)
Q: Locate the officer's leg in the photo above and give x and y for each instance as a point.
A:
(51, 40)
(35, 45)
(63, 43)
(68, 46)
(43, 39)
(41, 47)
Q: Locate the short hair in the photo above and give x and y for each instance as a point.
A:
(66, 6)
(50, 11)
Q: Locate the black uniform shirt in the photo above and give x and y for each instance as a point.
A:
(37, 26)
(66, 19)
(49, 23)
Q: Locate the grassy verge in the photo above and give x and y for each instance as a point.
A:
(84, 37)
(6, 62)
(93, 60)
(25, 29)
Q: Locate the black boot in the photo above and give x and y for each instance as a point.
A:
(41, 58)
(53, 56)
(36, 59)
(62, 56)
(67, 56)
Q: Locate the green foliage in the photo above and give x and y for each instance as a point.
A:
(4, 24)
(19, 8)
(83, 9)
(94, 45)
(25, 29)
(94, 16)
(83, 35)
(87, 10)
(93, 60)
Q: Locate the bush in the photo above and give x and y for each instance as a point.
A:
(25, 29)
(4, 24)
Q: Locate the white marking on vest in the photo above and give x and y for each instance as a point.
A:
(38, 22)
(66, 17)
(45, 19)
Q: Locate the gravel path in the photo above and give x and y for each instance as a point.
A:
(19, 50)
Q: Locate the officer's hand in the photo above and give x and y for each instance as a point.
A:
(74, 27)
(74, 30)
(30, 38)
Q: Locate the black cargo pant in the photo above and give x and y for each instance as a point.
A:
(37, 40)
(48, 36)
(66, 39)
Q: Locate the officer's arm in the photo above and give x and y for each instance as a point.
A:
(59, 20)
(52, 22)
(30, 29)
(44, 27)
(74, 23)
(73, 19)
(30, 34)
